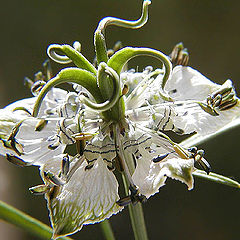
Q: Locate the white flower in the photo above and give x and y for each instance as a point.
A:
(117, 123)
(86, 191)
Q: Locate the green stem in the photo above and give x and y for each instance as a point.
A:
(107, 230)
(214, 177)
(136, 216)
(135, 211)
(26, 222)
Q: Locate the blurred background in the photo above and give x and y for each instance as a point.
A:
(210, 31)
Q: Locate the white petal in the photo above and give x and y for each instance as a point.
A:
(90, 196)
(150, 176)
(191, 117)
(36, 143)
(187, 83)
(180, 169)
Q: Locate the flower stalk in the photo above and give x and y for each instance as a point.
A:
(136, 216)
(26, 222)
(107, 230)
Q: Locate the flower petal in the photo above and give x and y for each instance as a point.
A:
(90, 196)
(187, 83)
(150, 176)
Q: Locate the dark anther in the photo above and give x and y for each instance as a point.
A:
(40, 125)
(111, 168)
(88, 167)
(65, 165)
(197, 155)
(124, 201)
(53, 179)
(179, 55)
(40, 189)
(52, 146)
(16, 160)
(160, 158)
(193, 150)
(125, 89)
(133, 198)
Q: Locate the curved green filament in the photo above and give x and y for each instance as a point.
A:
(100, 47)
(105, 71)
(120, 58)
(73, 75)
(71, 55)
(99, 40)
(126, 23)
(51, 52)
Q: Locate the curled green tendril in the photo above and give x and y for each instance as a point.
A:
(70, 55)
(73, 75)
(120, 58)
(86, 80)
(99, 40)
(107, 21)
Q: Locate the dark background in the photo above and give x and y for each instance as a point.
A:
(209, 29)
